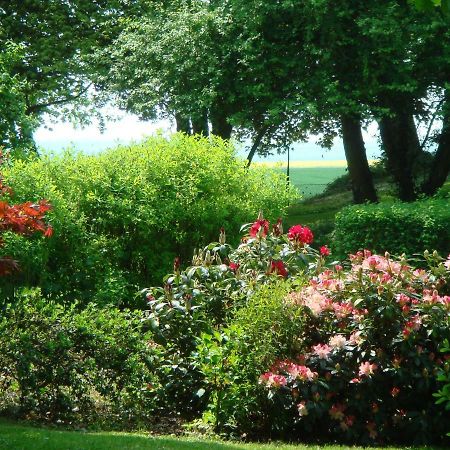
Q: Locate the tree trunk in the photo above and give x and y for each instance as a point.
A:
(200, 124)
(183, 125)
(358, 166)
(401, 145)
(256, 143)
(220, 125)
(440, 167)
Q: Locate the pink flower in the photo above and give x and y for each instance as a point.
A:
(338, 268)
(325, 251)
(302, 409)
(260, 228)
(395, 391)
(272, 380)
(300, 234)
(336, 412)
(322, 350)
(447, 263)
(402, 299)
(355, 338)
(338, 341)
(366, 369)
(342, 310)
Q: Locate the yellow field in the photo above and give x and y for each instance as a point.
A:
(308, 164)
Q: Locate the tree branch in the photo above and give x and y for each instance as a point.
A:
(38, 106)
(433, 117)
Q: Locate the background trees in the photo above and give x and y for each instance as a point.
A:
(53, 73)
(272, 73)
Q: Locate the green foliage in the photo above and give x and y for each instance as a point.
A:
(53, 72)
(395, 227)
(121, 217)
(443, 395)
(233, 358)
(15, 125)
(59, 363)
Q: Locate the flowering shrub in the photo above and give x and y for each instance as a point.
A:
(221, 279)
(370, 355)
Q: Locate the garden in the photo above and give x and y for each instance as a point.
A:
(168, 293)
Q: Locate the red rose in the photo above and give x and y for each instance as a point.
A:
(325, 251)
(260, 227)
(300, 234)
(278, 268)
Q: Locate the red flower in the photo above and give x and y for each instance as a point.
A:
(300, 234)
(260, 227)
(325, 251)
(278, 268)
(233, 266)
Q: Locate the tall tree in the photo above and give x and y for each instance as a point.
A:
(57, 38)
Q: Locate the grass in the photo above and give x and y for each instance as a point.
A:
(14, 436)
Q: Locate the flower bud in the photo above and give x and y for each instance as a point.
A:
(222, 236)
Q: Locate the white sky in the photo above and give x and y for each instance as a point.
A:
(130, 128)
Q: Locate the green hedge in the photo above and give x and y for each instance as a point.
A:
(122, 216)
(395, 227)
(59, 363)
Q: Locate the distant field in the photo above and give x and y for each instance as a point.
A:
(312, 179)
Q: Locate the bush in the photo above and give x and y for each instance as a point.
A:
(58, 363)
(395, 227)
(121, 217)
(232, 359)
(367, 372)
(204, 298)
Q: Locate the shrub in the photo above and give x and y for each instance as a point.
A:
(205, 297)
(395, 227)
(120, 217)
(367, 372)
(231, 359)
(58, 363)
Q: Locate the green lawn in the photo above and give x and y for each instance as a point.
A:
(17, 436)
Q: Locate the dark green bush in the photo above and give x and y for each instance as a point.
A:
(57, 363)
(395, 227)
(121, 217)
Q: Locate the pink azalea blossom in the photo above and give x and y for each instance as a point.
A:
(336, 412)
(338, 341)
(322, 350)
(302, 409)
(366, 369)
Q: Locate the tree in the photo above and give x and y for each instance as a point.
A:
(15, 125)
(54, 73)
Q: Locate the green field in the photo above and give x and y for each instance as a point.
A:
(311, 177)
(311, 181)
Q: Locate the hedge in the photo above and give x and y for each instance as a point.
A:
(408, 228)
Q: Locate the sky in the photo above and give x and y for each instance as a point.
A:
(128, 128)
